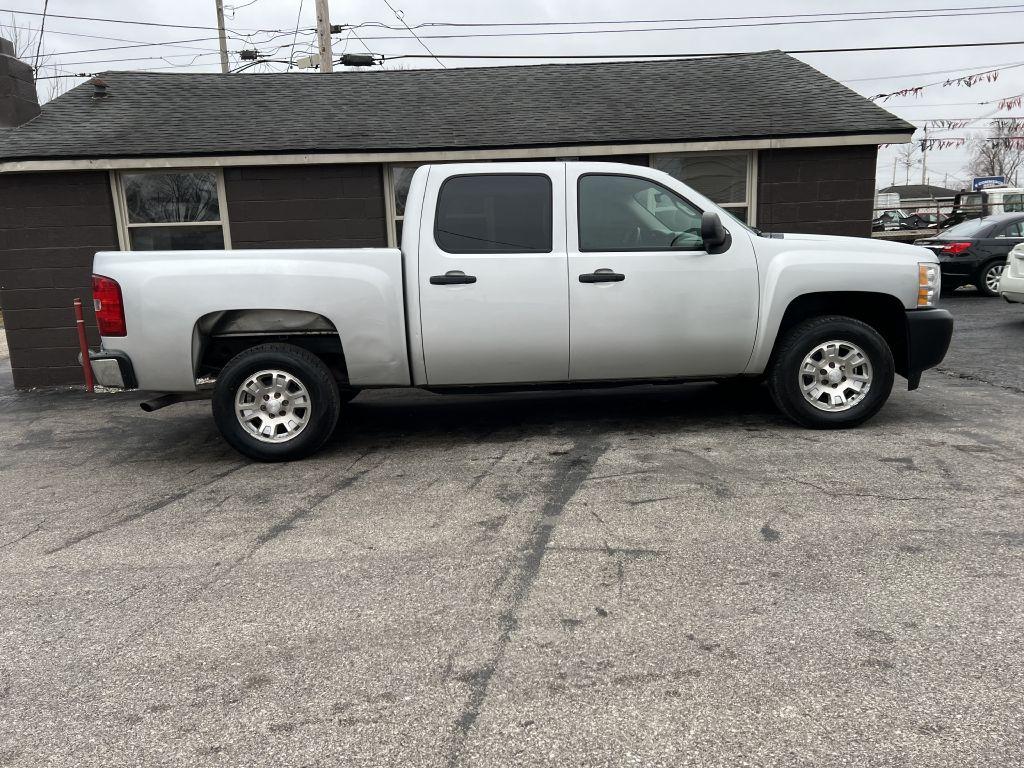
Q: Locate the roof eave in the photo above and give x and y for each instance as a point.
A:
(418, 154)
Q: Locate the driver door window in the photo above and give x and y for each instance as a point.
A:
(626, 213)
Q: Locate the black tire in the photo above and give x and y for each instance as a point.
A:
(784, 378)
(307, 368)
(982, 280)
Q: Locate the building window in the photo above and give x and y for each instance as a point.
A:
(172, 210)
(727, 178)
(401, 177)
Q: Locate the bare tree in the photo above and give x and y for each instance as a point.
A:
(26, 43)
(1000, 153)
(906, 157)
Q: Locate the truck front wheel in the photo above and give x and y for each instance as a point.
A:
(831, 373)
(276, 402)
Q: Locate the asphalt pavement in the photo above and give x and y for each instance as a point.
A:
(653, 576)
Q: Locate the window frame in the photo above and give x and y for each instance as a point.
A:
(656, 249)
(551, 216)
(391, 201)
(752, 160)
(124, 227)
(1019, 225)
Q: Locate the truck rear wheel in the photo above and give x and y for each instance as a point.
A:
(831, 372)
(276, 402)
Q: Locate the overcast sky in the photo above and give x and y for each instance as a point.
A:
(67, 40)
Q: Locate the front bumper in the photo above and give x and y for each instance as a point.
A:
(1012, 288)
(929, 332)
(112, 369)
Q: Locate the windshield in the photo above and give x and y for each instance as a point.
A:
(967, 228)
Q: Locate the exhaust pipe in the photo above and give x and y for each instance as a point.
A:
(170, 399)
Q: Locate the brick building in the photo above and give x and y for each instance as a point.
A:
(172, 161)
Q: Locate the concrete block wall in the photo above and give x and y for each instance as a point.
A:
(818, 190)
(307, 206)
(51, 225)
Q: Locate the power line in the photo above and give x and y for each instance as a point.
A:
(177, 43)
(927, 74)
(62, 33)
(614, 56)
(617, 56)
(426, 24)
(401, 18)
(135, 58)
(967, 80)
(110, 21)
(129, 21)
(634, 30)
(950, 104)
(42, 26)
(291, 50)
(138, 45)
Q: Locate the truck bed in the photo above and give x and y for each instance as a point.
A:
(167, 296)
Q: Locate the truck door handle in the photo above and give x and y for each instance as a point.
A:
(602, 276)
(452, 278)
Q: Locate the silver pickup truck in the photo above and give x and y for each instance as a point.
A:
(518, 275)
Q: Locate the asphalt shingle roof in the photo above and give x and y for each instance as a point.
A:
(915, 191)
(160, 114)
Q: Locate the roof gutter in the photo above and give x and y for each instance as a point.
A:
(459, 155)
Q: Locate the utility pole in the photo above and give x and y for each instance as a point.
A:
(924, 157)
(223, 37)
(323, 33)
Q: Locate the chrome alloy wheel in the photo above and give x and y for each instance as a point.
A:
(272, 406)
(992, 276)
(835, 376)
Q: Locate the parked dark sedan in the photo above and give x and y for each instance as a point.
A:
(975, 251)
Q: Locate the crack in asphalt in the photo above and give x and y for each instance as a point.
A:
(154, 506)
(273, 532)
(570, 472)
(861, 494)
(950, 373)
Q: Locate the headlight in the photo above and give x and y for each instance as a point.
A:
(928, 277)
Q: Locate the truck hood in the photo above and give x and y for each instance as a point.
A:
(859, 244)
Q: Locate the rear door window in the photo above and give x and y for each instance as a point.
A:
(494, 213)
(1016, 229)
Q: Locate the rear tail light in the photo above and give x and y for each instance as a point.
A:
(955, 249)
(106, 300)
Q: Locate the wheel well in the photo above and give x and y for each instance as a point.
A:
(219, 336)
(883, 312)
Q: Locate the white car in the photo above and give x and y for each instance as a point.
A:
(1011, 284)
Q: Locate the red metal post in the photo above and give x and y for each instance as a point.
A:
(83, 343)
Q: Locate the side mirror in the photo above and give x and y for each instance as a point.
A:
(714, 234)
